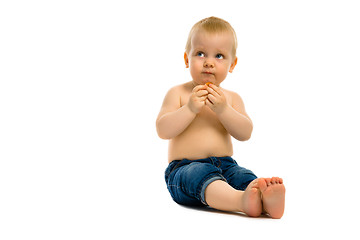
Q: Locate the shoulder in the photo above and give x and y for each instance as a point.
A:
(236, 102)
(229, 92)
(178, 89)
(232, 96)
(172, 100)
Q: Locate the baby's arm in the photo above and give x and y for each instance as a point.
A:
(235, 120)
(174, 119)
(233, 117)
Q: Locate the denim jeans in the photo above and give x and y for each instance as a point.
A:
(187, 179)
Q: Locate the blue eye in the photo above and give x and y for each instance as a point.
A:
(219, 56)
(200, 54)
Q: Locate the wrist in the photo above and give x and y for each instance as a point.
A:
(190, 108)
(222, 110)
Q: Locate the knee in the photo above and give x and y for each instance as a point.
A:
(197, 172)
(240, 178)
(200, 169)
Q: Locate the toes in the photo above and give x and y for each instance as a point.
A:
(268, 181)
(276, 180)
(273, 180)
(262, 184)
(254, 183)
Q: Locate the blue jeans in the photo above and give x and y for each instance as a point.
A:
(187, 180)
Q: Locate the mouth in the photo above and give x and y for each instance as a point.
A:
(209, 73)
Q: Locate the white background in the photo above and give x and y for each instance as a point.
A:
(82, 83)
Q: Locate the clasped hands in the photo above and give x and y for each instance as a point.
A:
(209, 95)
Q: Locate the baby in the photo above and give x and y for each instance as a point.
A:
(199, 117)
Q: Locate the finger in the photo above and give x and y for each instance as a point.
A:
(202, 99)
(199, 87)
(202, 93)
(215, 88)
(212, 98)
(213, 92)
(208, 103)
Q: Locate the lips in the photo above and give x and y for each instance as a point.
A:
(210, 73)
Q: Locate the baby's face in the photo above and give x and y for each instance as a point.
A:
(210, 57)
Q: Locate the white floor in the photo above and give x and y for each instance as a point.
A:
(316, 208)
(81, 84)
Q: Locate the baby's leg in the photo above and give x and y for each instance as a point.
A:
(273, 196)
(220, 195)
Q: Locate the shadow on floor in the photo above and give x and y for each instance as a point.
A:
(209, 209)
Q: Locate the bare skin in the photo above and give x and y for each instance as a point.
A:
(195, 135)
(263, 195)
(199, 119)
(273, 196)
(220, 195)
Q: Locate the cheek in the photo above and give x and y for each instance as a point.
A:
(223, 69)
(195, 65)
(227, 67)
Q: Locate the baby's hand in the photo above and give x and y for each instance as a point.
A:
(216, 99)
(197, 98)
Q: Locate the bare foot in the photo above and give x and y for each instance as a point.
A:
(251, 200)
(273, 196)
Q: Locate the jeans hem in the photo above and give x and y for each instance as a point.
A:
(205, 184)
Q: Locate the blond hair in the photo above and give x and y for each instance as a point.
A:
(212, 25)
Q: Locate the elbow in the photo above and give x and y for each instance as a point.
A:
(161, 132)
(163, 136)
(245, 136)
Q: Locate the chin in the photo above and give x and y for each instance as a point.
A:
(206, 80)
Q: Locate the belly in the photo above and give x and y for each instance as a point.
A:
(200, 142)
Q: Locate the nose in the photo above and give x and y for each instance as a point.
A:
(208, 64)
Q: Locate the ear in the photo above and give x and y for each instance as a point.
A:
(233, 65)
(186, 60)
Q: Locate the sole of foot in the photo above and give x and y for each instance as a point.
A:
(252, 200)
(273, 196)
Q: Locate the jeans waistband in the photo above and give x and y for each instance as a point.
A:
(216, 161)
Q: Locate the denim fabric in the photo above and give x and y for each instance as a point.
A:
(187, 179)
